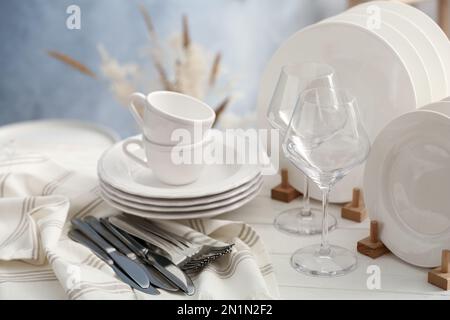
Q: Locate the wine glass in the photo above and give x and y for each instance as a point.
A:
(325, 139)
(293, 80)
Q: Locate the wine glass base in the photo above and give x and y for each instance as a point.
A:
(336, 261)
(293, 222)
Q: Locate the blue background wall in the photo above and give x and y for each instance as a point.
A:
(34, 86)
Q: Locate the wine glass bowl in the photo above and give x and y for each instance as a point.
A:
(326, 137)
(293, 80)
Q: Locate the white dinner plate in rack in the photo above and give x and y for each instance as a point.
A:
(186, 208)
(422, 21)
(406, 186)
(122, 173)
(200, 214)
(366, 64)
(181, 202)
(414, 62)
(442, 107)
(420, 41)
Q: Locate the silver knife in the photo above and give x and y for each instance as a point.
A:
(153, 275)
(167, 267)
(130, 243)
(79, 237)
(134, 270)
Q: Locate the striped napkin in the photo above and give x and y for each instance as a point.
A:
(38, 198)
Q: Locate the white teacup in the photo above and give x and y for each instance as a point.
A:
(165, 111)
(168, 163)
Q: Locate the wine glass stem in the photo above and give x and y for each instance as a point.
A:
(306, 211)
(325, 247)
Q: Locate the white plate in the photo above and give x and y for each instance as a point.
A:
(443, 107)
(77, 145)
(425, 23)
(405, 49)
(190, 208)
(183, 209)
(184, 202)
(56, 133)
(364, 63)
(122, 173)
(421, 43)
(406, 185)
(181, 216)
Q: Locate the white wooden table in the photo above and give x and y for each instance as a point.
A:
(399, 280)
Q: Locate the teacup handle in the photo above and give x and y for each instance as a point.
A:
(131, 154)
(138, 100)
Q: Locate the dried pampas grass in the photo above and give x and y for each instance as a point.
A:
(72, 63)
(187, 68)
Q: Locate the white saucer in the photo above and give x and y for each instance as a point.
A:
(183, 202)
(201, 214)
(186, 208)
(122, 173)
(406, 186)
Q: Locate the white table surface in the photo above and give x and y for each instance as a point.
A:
(399, 280)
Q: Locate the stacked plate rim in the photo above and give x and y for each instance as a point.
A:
(133, 189)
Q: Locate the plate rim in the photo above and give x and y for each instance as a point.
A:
(372, 199)
(411, 67)
(424, 22)
(186, 208)
(434, 105)
(92, 126)
(248, 172)
(187, 201)
(183, 216)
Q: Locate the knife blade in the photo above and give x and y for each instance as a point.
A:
(79, 237)
(163, 264)
(174, 269)
(153, 275)
(134, 270)
(168, 276)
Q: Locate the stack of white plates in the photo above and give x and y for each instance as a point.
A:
(134, 189)
(393, 58)
(407, 184)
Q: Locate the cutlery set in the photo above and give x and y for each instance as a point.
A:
(141, 272)
(187, 255)
(143, 254)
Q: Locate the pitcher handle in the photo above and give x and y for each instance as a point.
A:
(138, 100)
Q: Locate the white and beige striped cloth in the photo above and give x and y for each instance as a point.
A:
(38, 197)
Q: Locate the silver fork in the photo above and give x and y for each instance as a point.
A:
(187, 255)
(175, 254)
(177, 240)
(199, 255)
